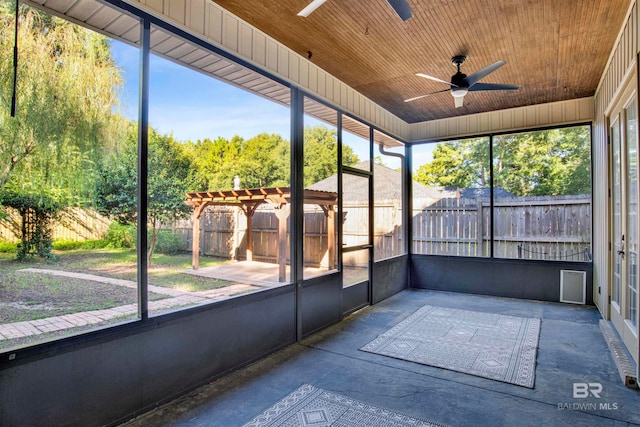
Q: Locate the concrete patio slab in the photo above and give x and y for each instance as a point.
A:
(252, 272)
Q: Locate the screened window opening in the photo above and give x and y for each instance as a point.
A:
(451, 198)
(65, 243)
(388, 188)
(542, 194)
(538, 183)
(320, 189)
(218, 178)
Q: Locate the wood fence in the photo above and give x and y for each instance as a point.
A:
(73, 224)
(549, 227)
(223, 233)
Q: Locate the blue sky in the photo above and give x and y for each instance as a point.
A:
(193, 106)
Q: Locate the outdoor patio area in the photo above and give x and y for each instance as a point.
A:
(571, 351)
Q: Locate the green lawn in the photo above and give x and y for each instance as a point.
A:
(29, 296)
(165, 270)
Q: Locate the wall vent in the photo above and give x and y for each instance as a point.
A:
(573, 286)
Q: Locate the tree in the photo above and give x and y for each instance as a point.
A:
(264, 162)
(68, 87)
(463, 164)
(170, 176)
(320, 154)
(551, 162)
(214, 161)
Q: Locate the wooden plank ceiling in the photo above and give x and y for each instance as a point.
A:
(555, 49)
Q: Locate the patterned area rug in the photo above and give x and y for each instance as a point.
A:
(488, 345)
(311, 406)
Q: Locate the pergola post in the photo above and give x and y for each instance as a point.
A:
(282, 213)
(330, 214)
(249, 251)
(249, 210)
(195, 248)
(195, 245)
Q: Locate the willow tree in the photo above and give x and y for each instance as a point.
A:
(67, 91)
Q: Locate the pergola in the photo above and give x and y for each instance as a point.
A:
(248, 201)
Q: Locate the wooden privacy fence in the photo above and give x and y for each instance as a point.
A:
(72, 224)
(223, 233)
(550, 227)
(545, 227)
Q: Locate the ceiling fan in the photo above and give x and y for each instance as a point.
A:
(401, 7)
(461, 83)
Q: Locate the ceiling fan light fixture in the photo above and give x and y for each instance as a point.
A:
(459, 92)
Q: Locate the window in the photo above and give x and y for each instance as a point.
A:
(77, 270)
(388, 164)
(451, 198)
(542, 194)
(538, 182)
(228, 149)
(320, 189)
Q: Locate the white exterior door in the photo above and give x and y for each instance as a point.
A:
(623, 290)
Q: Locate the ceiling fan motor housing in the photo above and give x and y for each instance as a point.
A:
(459, 86)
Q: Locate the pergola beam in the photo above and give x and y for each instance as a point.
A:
(248, 201)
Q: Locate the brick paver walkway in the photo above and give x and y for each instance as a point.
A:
(93, 317)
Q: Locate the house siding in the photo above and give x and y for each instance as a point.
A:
(533, 116)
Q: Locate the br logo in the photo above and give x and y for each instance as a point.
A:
(583, 390)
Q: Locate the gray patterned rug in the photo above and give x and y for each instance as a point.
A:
(488, 345)
(311, 406)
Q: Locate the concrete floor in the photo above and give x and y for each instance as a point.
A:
(571, 350)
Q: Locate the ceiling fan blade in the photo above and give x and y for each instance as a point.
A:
(475, 77)
(426, 76)
(459, 100)
(402, 8)
(492, 86)
(311, 7)
(424, 96)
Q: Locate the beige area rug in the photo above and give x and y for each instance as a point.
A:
(311, 406)
(488, 345)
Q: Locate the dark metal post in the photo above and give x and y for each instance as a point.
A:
(143, 151)
(407, 198)
(15, 62)
(340, 218)
(371, 219)
(491, 181)
(297, 201)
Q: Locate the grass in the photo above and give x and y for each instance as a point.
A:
(165, 270)
(30, 296)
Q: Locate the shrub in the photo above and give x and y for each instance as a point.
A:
(95, 244)
(68, 245)
(121, 235)
(37, 211)
(170, 243)
(8, 247)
